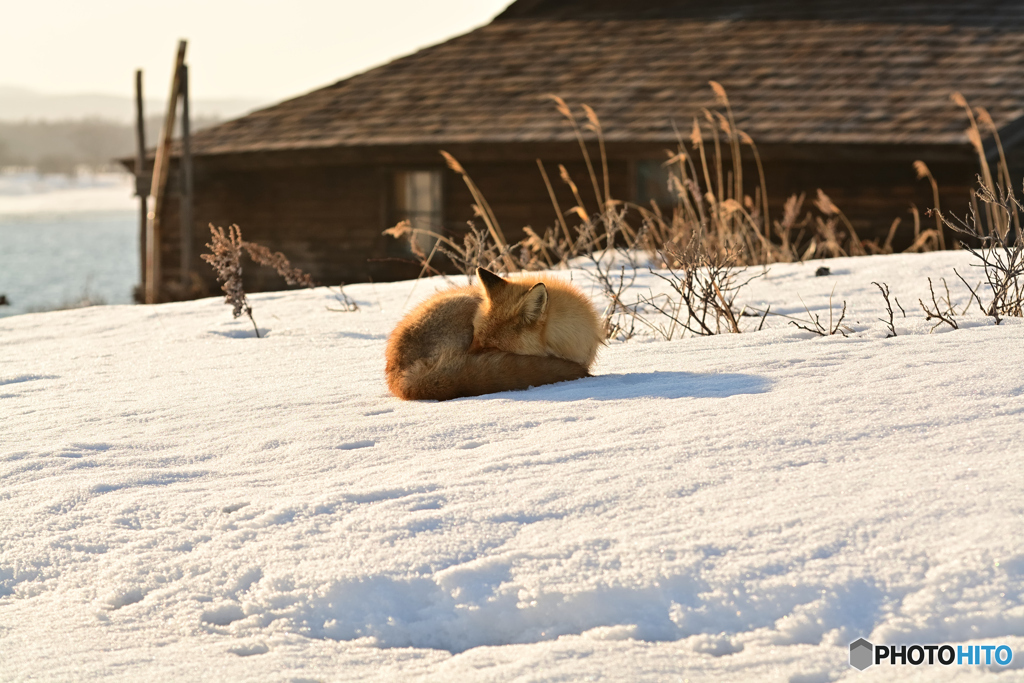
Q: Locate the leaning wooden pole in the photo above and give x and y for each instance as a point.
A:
(186, 187)
(161, 167)
(142, 183)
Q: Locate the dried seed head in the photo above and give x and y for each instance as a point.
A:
(280, 263)
(984, 118)
(730, 206)
(723, 123)
(791, 211)
(402, 229)
(922, 170)
(677, 158)
(975, 139)
(825, 205)
(453, 163)
(533, 242)
(561, 106)
(696, 135)
(723, 99)
(592, 117)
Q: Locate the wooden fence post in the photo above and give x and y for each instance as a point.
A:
(161, 167)
(186, 187)
(142, 182)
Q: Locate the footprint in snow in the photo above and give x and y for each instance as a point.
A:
(353, 445)
(249, 649)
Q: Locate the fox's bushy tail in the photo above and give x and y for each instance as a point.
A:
(471, 374)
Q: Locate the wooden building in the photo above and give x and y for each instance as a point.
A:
(839, 95)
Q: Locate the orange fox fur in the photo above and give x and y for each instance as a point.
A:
(499, 336)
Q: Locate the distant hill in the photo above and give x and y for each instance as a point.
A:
(63, 146)
(58, 133)
(22, 104)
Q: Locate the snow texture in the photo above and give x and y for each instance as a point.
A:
(183, 501)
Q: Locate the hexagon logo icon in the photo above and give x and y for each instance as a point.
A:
(862, 654)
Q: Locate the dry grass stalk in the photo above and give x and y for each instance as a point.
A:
(827, 207)
(873, 247)
(477, 249)
(482, 209)
(711, 203)
(594, 125)
(713, 221)
(973, 133)
(554, 202)
(926, 240)
(924, 172)
(565, 111)
(1004, 168)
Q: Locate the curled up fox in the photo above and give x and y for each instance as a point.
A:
(502, 335)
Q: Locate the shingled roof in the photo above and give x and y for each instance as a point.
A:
(853, 72)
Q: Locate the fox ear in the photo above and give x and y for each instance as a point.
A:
(492, 283)
(535, 303)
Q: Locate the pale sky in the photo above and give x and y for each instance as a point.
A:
(236, 48)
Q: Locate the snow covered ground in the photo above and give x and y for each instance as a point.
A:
(183, 501)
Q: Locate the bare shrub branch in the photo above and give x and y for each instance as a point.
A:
(974, 295)
(884, 289)
(814, 325)
(1000, 255)
(346, 303)
(935, 313)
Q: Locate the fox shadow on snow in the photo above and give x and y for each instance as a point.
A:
(664, 384)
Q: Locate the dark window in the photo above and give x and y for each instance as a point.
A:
(652, 182)
(417, 197)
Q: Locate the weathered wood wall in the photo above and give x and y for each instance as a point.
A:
(328, 218)
(872, 195)
(518, 196)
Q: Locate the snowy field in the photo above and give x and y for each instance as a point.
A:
(64, 239)
(182, 501)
